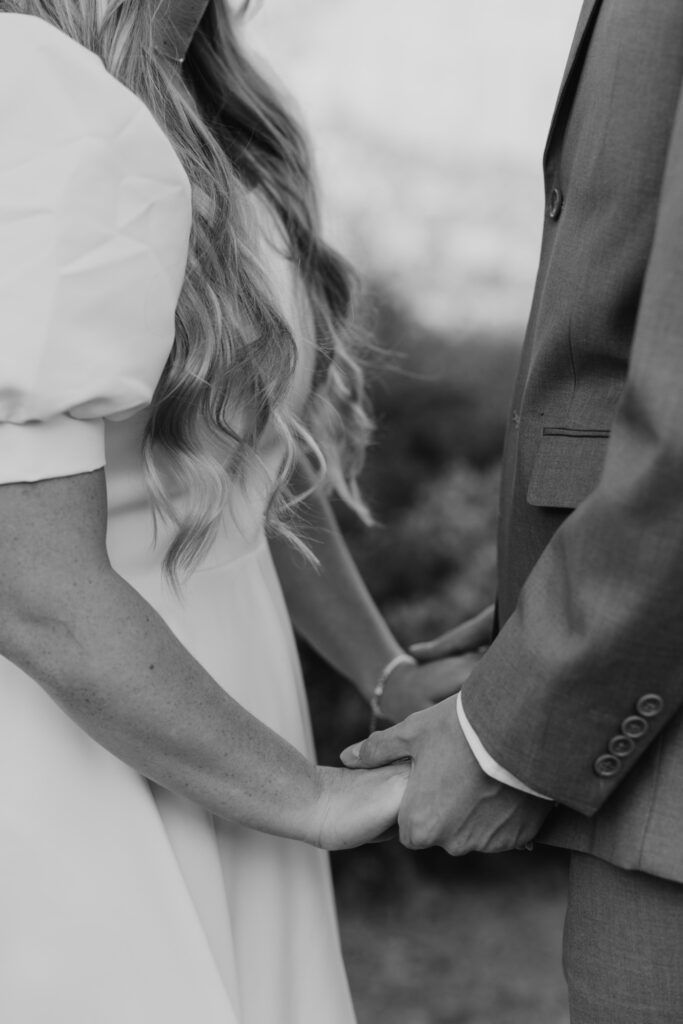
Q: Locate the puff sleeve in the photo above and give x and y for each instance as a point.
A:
(95, 215)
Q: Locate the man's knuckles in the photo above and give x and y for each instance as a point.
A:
(422, 828)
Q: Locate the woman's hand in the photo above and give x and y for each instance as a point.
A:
(357, 807)
(443, 666)
(412, 688)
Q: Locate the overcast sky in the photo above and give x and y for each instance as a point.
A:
(429, 119)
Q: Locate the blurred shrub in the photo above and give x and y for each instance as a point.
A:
(432, 475)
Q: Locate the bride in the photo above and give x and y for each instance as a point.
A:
(177, 383)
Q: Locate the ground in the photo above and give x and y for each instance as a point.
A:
(477, 943)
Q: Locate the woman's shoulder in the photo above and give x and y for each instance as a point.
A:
(53, 89)
(32, 50)
(54, 92)
(95, 215)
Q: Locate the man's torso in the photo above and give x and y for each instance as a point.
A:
(604, 165)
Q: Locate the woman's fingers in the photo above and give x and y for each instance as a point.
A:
(466, 637)
(360, 807)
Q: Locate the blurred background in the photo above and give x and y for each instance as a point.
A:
(428, 122)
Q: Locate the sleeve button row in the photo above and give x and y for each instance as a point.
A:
(632, 728)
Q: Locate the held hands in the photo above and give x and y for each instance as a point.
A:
(357, 807)
(449, 801)
(443, 666)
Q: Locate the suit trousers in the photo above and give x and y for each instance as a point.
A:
(623, 945)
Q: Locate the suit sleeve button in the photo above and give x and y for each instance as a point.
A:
(634, 727)
(555, 203)
(621, 746)
(607, 765)
(649, 705)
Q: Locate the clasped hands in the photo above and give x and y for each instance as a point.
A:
(449, 801)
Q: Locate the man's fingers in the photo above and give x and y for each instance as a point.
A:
(464, 638)
(379, 749)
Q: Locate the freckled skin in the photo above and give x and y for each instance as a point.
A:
(113, 665)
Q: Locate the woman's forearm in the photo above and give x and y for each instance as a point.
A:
(330, 605)
(103, 654)
(114, 666)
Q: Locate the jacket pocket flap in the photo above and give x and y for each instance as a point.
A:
(567, 467)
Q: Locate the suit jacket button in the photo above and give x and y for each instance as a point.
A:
(555, 203)
(649, 705)
(621, 746)
(607, 765)
(634, 727)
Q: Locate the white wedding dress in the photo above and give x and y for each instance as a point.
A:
(121, 903)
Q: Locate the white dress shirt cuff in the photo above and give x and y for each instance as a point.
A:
(486, 762)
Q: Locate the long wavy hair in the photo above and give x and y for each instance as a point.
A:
(229, 374)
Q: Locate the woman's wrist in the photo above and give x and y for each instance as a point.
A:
(371, 666)
(384, 677)
(306, 824)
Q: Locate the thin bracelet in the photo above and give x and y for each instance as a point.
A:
(384, 676)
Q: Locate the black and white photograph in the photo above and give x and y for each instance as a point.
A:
(341, 512)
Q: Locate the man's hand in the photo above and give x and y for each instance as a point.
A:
(450, 801)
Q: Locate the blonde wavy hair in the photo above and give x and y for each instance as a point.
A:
(234, 357)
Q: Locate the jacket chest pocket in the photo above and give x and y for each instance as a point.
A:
(567, 467)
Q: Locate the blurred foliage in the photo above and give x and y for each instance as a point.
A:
(432, 481)
(429, 939)
(483, 949)
(432, 475)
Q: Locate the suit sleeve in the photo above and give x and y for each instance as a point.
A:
(589, 669)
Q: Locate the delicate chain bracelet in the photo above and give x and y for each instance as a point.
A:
(378, 692)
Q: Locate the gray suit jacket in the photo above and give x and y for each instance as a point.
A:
(581, 693)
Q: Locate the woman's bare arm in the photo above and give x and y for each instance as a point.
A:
(334, 612)
(106, 657)
(330, 605)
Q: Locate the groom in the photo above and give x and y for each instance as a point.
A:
(572, 723)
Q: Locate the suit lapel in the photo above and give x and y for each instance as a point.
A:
(587, 17)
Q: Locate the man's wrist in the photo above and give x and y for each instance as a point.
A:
(487, 764)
